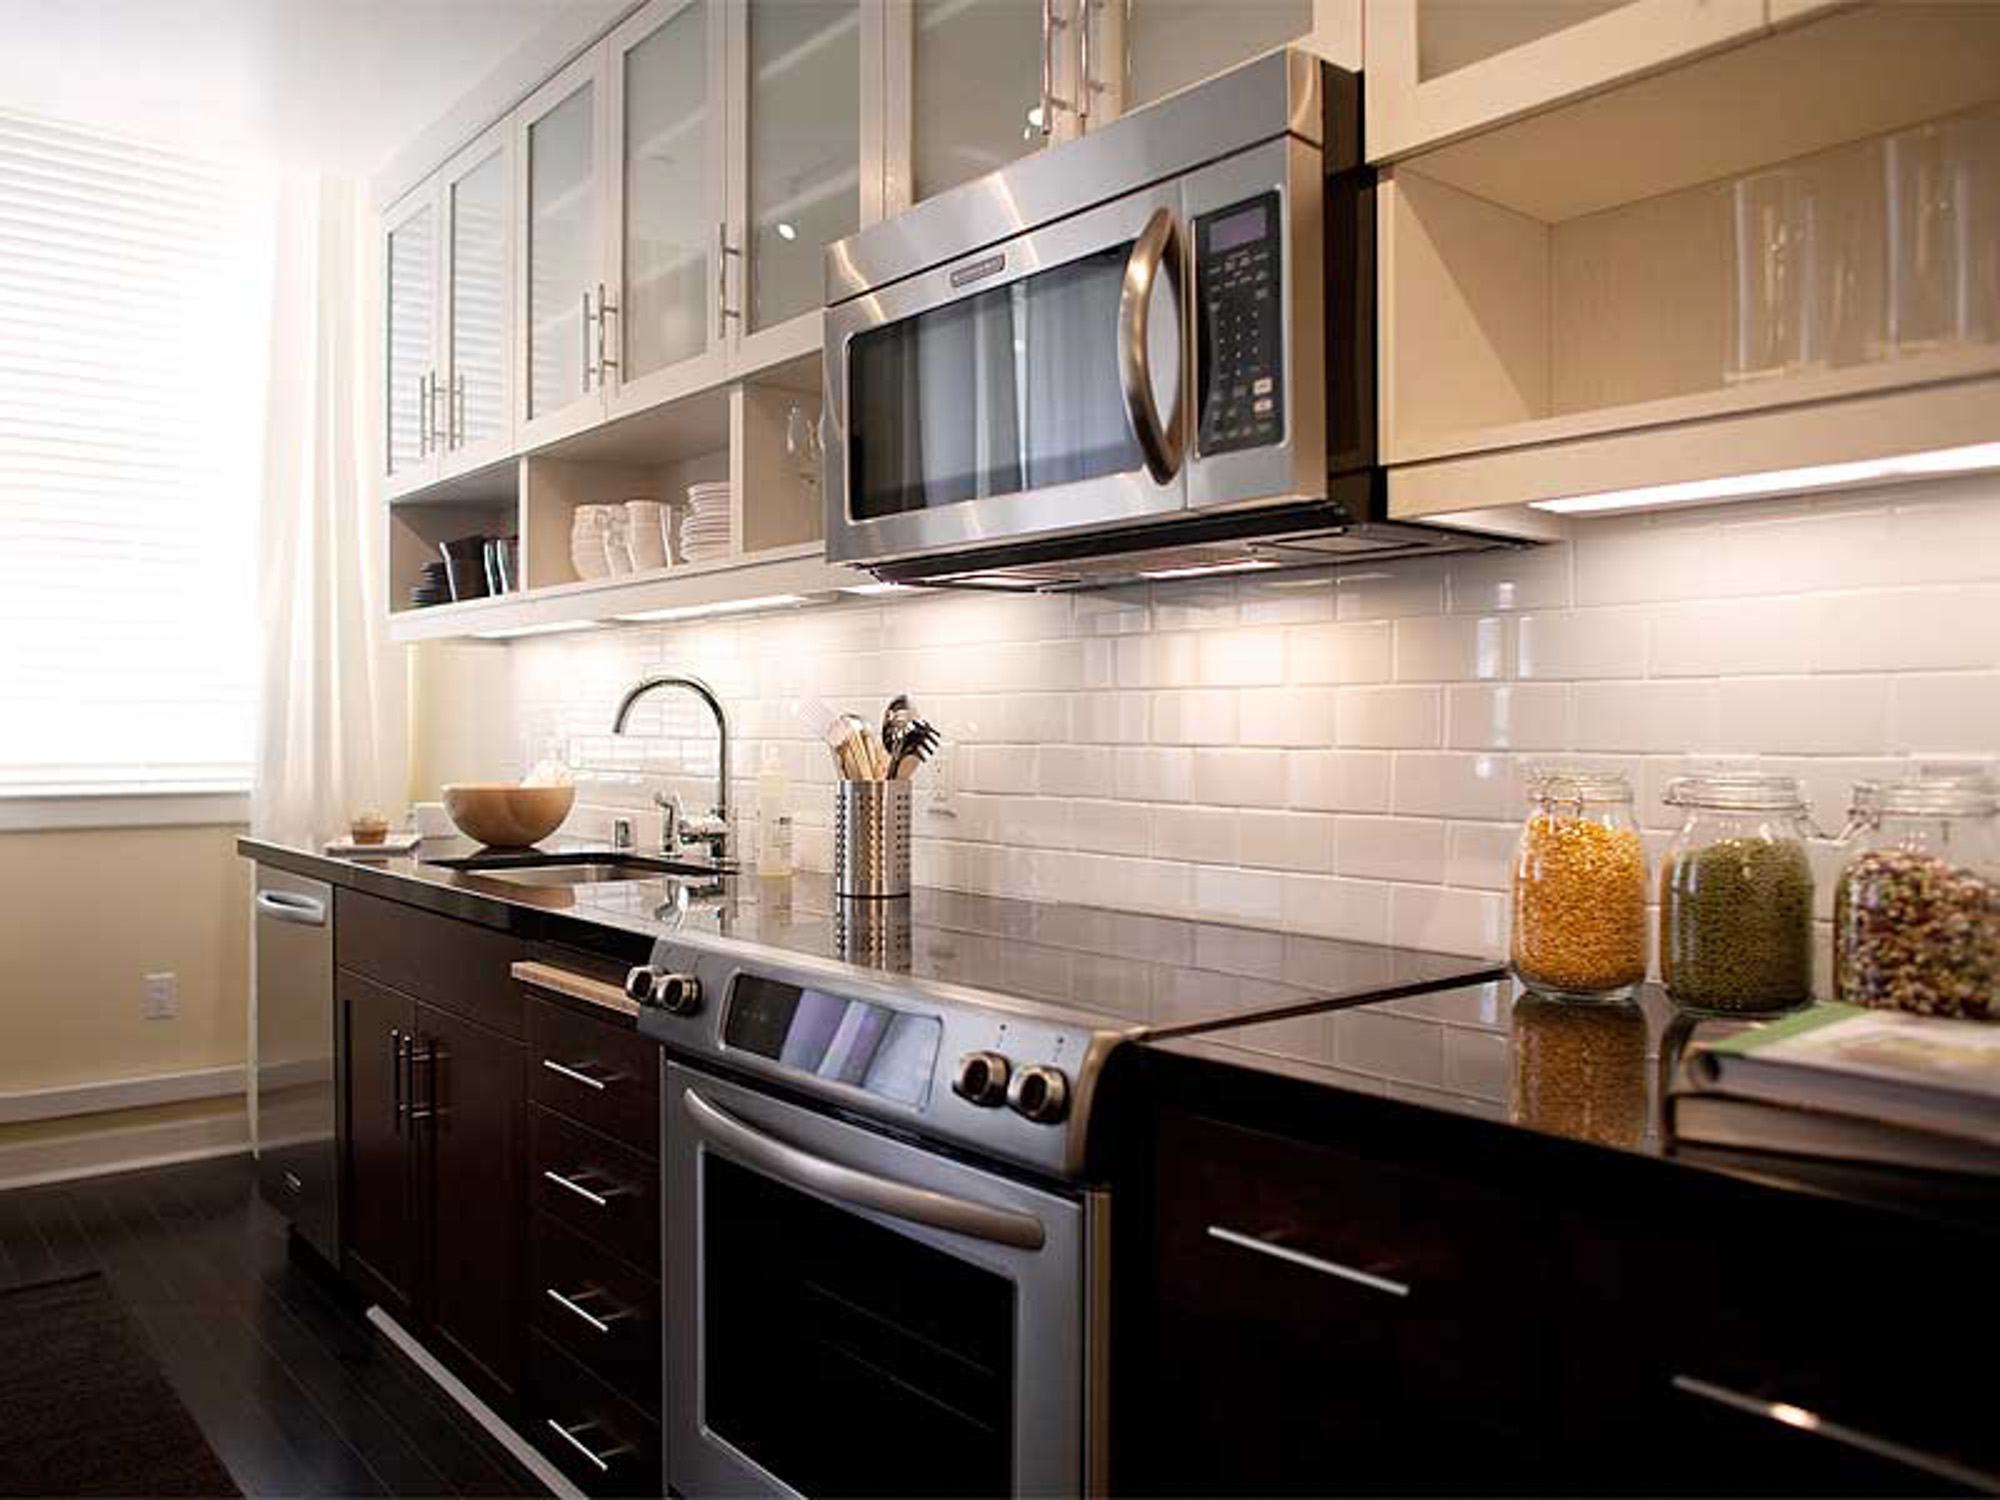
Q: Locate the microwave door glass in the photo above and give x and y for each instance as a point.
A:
(1010, 389)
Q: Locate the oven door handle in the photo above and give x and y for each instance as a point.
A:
(1157, 246)
(900, 1200)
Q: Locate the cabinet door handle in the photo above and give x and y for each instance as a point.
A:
(575, 1304)
(602, 1461)
(455, 412)
(431, 1057)
(723, 311)
(423, 416)
(1083, 10)
(1802, 1420)
(584, 328)
(600, 1200)
(604, 311)
(574, 1075)
(1310, 1262)
(1051, 24)
(396, 1106)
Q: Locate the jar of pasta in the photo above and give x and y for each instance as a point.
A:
(1916, 915)
(1579, 888)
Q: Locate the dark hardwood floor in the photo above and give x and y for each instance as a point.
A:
(297, 1394)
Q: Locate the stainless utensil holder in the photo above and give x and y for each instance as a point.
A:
(871, 839)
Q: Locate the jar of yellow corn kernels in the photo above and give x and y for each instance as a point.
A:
(1579, 919)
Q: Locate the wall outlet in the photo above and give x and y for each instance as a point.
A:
(943, 802)
(163, 997)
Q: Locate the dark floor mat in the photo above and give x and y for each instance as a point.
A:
(84, 1409)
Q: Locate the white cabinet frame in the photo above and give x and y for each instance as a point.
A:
(462, 457)
(425, 198)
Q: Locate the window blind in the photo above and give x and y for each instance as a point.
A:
(134, 320)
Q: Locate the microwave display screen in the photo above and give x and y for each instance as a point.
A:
(1238, 284)
(1236, 230)
(889, 1053)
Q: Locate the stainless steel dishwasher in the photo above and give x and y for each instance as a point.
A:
(296, 1158)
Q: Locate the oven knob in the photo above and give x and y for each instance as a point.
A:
(1039, 1094)
(639, 983)
(677, 994)
(982, 1078)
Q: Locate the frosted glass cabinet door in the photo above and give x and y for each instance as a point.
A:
(804, 108)
(479, 206)
(563, 255)
(1169, 44)
(411, 337)
(977, 99)
(670, 209)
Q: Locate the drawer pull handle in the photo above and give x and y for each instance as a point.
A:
(1802, 1420)
(601, 1460)
(574, 1075)
(601, 1200)
(1310, 1262)
(575, 1305)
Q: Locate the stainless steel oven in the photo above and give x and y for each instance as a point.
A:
(1145, 348)
(852, 1313)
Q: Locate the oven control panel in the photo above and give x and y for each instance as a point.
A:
(1238, 285)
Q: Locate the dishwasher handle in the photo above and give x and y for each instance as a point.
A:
(288, 906)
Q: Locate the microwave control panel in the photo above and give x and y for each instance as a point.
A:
(1238, 280)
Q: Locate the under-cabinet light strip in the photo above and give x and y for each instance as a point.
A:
(550, 629)
(1781, 481)
(720, 607)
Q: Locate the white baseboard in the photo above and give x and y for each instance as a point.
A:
(111, 1094)
(558, 1483)
(97, 1152)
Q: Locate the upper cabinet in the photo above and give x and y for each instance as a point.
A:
(448, 305)
(559, 142)
(1137, 51)
(1438, 69)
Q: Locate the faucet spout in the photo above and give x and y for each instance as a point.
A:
(677, 829)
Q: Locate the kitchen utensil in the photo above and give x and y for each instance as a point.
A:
(895, 720)
(920, 742)
(503, 815)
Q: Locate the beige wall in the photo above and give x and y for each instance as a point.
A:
(85, 915)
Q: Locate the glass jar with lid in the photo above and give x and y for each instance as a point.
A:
(1916, 916)
(1579, 888)
(1736, 896)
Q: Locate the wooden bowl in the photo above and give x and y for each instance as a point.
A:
(504, 816)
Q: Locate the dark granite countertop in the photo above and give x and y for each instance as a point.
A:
(1593, 1078)
(1142, 974)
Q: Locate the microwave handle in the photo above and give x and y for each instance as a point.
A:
(1162, 443)
(844, 1184)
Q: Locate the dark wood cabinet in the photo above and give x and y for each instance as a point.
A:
(471, 1130)
(434, 1138)
(378, 1225)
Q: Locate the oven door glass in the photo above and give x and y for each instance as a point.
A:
(846, 1359)
(1014, 392)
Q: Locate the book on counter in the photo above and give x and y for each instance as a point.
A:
(1849, 1084)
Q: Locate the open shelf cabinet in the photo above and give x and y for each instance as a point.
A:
(1563, 308)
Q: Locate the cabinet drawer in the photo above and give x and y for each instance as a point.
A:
(598, 1309)
(602, 1442)
(1430, 1283)
(604, 1191)
(599, 1073)
(458, 966)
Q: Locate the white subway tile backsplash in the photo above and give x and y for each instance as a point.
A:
(1286, 841)
(1359, 652)
(1205, 716)
(1453, 648)
(1339, 752)
(1584, 643)
(1384, 717)
(1338, 780)
(1390, 848)
(1240, 778)
(1518, 717)
(1302, 716)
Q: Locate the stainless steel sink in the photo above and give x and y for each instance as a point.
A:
(594, 868)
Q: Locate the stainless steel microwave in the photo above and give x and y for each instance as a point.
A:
(1148, 352)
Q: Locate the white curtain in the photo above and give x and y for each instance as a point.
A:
(332, 737)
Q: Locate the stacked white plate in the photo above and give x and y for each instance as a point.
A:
(705, 525)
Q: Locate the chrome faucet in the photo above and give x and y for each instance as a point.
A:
(678, 829)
